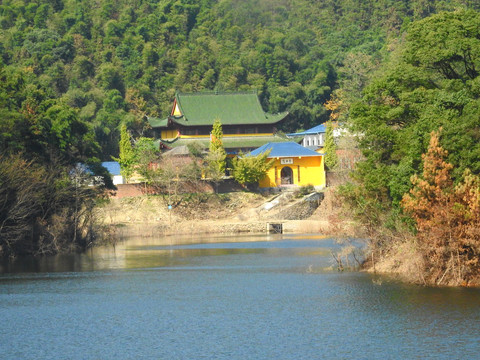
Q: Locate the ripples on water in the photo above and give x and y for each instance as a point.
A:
(275, 299)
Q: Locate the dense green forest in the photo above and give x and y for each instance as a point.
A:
(72, 72)
(97, 64)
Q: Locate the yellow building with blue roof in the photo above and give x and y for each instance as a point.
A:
(294, 165)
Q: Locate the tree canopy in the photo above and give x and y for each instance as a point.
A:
(428, 83)
(112, 62)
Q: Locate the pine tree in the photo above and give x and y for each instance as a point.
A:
(217, 155)
(127, 156)
(216, 136)
(447, 219)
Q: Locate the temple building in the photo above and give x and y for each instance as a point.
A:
(244, 123)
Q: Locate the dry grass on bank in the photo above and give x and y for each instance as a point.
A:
(405, 260)
(402, 260)
(334, 219)
(237, 212)
(154, 209)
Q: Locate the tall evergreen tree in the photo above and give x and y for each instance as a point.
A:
(217, 155)
(127, 154)
(447, 219)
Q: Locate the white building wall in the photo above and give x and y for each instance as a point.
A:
(313, 140)
(118, 180)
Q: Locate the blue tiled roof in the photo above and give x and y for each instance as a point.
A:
(315, 130)
(284, 149)
(113, 167)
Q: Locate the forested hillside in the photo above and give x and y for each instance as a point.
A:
(87, 66)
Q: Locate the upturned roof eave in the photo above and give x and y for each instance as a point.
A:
(157, 122)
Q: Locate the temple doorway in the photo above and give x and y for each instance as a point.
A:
(286, 176)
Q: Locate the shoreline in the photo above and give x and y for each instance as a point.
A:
(233, 213)
(217, 227)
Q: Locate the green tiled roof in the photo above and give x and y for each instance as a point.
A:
(203, 108)
(157, 123)
(229, 142)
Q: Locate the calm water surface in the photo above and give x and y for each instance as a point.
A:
(275, 298)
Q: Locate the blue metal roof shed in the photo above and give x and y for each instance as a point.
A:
(284, 149)
(319, 129)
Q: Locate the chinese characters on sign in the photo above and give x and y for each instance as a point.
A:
(286, 161)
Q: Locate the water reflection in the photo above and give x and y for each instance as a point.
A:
(168, 252)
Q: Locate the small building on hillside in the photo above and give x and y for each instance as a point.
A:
(294, 165)
(313, 138)
(244, 123)
(113, 168)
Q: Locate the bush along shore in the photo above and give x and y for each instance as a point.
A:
(45, 210)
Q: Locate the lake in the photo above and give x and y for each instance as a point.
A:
(263, 297)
